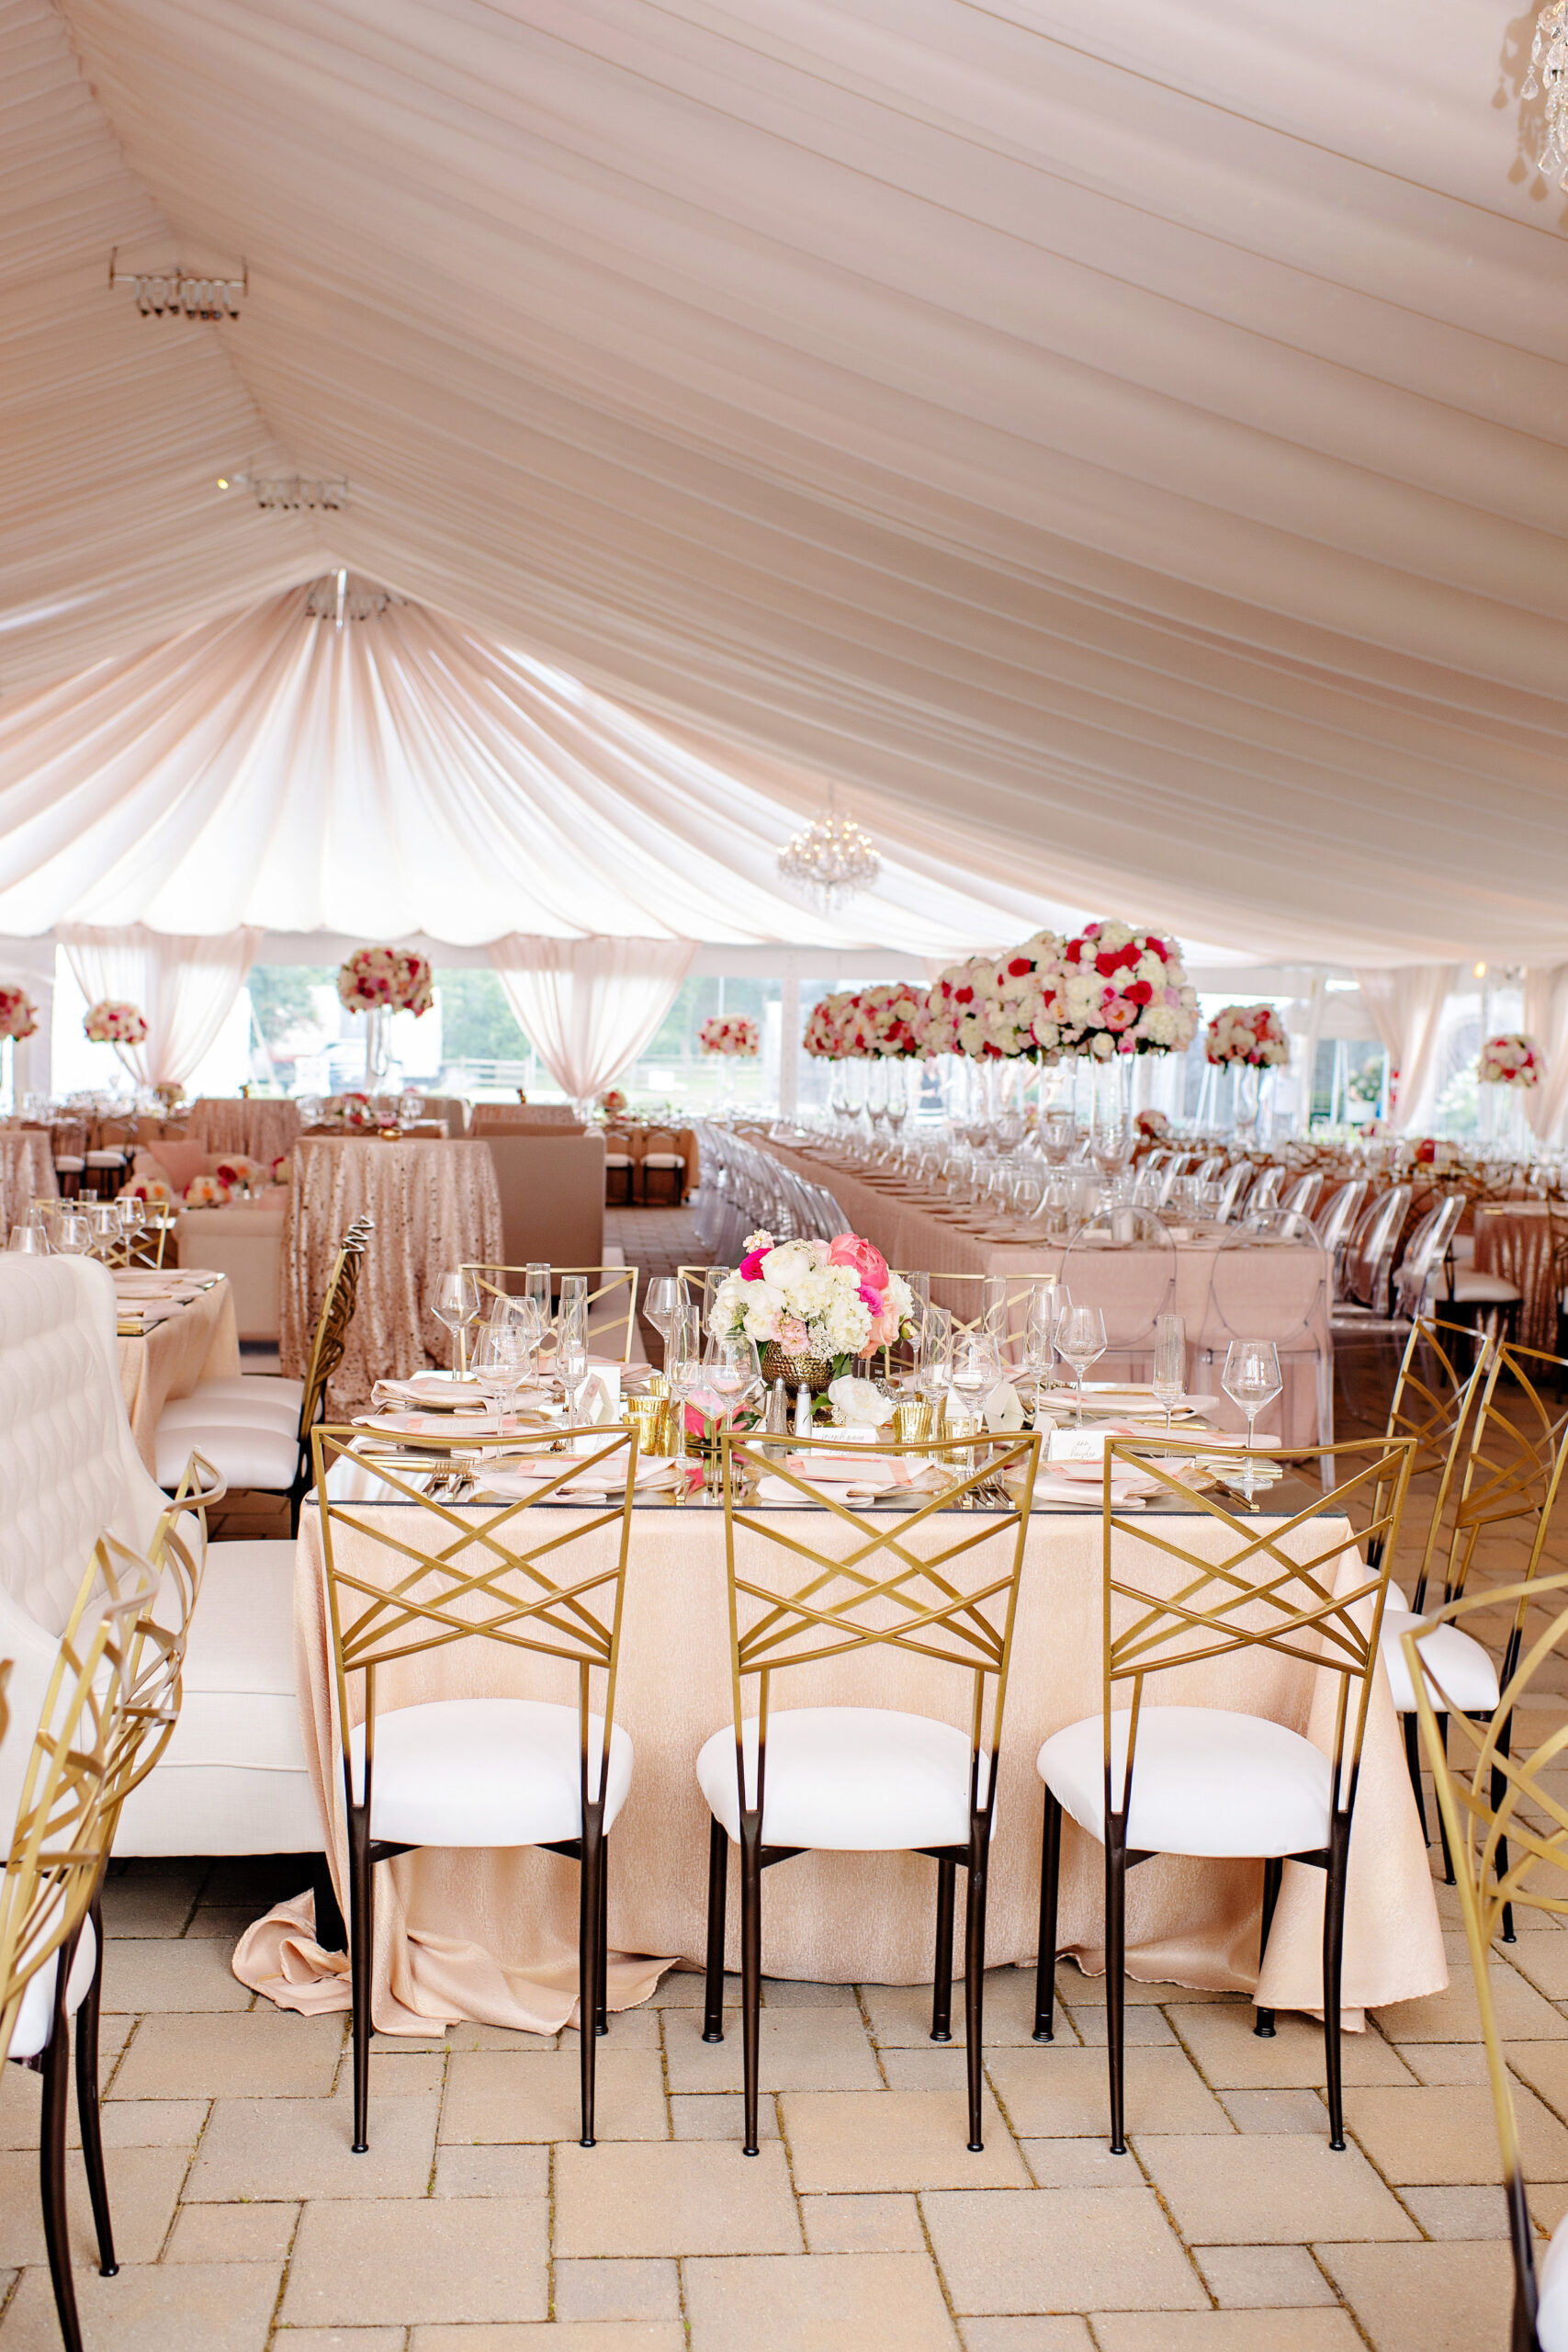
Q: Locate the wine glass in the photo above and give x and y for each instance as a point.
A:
(502, 1360)
(1169, 1383)
(976, 1370)
(1251, 1379)
(29, 1241)
(411, 1106)
(662, 1298)
(73, 1234)
(456, 1303)
(103, 1227)
(1080, 1341)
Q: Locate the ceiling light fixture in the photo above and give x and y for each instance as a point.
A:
(829, 860)
(288, 493)
(180, 293)
(340, 597)
(1549, 72)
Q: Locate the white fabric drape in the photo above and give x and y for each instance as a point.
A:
(1407, 1007)
(1131, 437)
(1546, 1020)
(184, 987)
(589, 1005)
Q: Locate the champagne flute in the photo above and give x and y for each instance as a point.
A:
(933, 1369)
(1080, 1341)
(1046, 1301)
(1169, 1383)
(456, 1303)
(536, 1287)
(1251, 1379)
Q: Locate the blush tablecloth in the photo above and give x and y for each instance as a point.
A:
(1514, 1239)
(436, 1206)
(491, 1934)
(1272, 1292)
(27, 1172)
(261, 1130)
(200, 1341)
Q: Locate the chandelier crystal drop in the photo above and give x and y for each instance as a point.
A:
(831, 859)
(1549, 72)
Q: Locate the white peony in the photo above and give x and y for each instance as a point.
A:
(858, 1403)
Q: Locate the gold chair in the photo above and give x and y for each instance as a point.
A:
(611, 1305)
(59, 1847)
(1276, 1795)
(927, 1582)
(463, 1771)
(1506, 1826)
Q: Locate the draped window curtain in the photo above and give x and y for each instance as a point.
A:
(589, 1005)
(1407, 1007)
(1546, 1020)
(183, 987)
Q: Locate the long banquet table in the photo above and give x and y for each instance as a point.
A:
(1285, 1289)
(436, 1206)
(491, 1934)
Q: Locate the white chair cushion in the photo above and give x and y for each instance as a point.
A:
(1552, 2272)
(242, 1455)
(34, 2019)
(1204, 1782)
(663, 1159)
(69, 1165)
(106, 1160)
(254, 1386)
(1472, 1288)
(618, 1159)
(484, 1772)
(229, 1412)
(1462, 1249)
(1459, 1663)
(851, 1779)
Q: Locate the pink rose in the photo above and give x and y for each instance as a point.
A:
(752, 1264)
(1119, 1013)
(872, 1298)
(850, 1250)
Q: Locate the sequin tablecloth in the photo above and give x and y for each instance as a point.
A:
(27, 1172)
(1513, 1239)
(436, 1206)
(265, 1130)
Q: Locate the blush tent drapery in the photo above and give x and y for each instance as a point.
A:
(183, 986)
(590, 1006)
(1407, 1007)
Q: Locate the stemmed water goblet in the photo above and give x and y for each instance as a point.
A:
(662, 1297)
(456, 1303)
(1169, 1381)
(503, 1358)
(1080, 1341)
(1251, 1379)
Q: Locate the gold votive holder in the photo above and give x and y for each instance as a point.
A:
(653, 1418)
(913, 1418)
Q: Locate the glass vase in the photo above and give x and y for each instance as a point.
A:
(377, 1046)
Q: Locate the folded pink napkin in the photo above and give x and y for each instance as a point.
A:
(863, 1468)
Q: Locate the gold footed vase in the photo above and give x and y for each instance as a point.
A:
(812, 1373)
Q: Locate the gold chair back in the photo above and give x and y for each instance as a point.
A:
(612, 1302)
(1168, 1604)
(1506, 1826)
(939, 1582)
(470, 1574)
(339, 1301)
(1441, 1374)
(1514, 1469)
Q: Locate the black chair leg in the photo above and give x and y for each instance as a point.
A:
(751, 1968)
(1273, 1871)
(1499, 1794)
(974, 1982)
(1442, 1826)
(87, 2113)
(52, 2156)
(332, 1934)
(1050, 1880)
(592, 1864)
(361, 1961)
(1413, 1762)
(941, 1972)
(1332, 1971)
(1115, 1965)
(602, 2013)
(712, 1988)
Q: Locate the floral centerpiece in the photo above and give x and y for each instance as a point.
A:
(385, 979)
(1124, 991)
(205, 1193)
(1509, 1060)
(1152, 1126)
(1250, 1034)
(612, 1104)
(110, 1023)
(19, 1014)
(732, 1034)
(823, 1038)
(239, 1174)
(151, 1189)
(354, 1110)
(814, 1308)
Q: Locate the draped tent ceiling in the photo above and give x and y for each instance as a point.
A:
(1124, 443)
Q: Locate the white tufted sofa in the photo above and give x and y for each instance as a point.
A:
(233, 1780)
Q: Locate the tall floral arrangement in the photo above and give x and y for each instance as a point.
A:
(734, 1036)
(1252, 1034)
(1124, 991)
(1510, 1060)
(110, 1023)
(898, 1014)
(823, 1038)
(19, 1014)
(836, 1299)
(959, 1017)
(385, 979)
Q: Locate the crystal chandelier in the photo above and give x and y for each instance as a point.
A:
(831, 859)
(290, 493)
(340, 597)
(1549, 70)
(180, 293)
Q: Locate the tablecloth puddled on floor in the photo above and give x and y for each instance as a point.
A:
(492, 1936)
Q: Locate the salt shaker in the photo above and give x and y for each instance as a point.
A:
(803, 1413)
